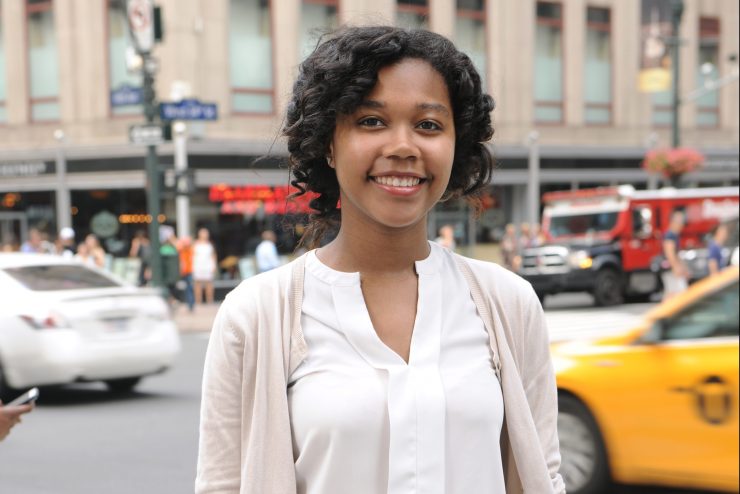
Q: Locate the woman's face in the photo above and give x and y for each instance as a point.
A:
(393, 155)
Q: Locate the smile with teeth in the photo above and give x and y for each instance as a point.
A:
(398, 181)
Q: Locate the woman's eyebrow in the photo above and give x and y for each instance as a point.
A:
(371, 103)
(434, 107)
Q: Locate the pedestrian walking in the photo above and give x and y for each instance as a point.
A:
(95, 253)
(37, 243)
(266, 254)
(510, 248)
(141, 249)
(185, 250)
(717, 260)
(525, 237)
(170, 261)
(65, 244)
(204, 267)
(446, 237)
(675, 276)
(313, 382)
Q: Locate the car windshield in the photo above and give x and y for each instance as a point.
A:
(582, 224)
(59, 277)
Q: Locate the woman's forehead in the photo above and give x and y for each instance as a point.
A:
(410, 80)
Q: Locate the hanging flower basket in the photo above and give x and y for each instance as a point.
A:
(673, 163)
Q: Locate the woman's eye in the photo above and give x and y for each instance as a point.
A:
(429, 125)
(371, 122)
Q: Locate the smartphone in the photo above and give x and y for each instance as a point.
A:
(27, 397)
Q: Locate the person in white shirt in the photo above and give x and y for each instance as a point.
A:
(374, 363)
(266, 254)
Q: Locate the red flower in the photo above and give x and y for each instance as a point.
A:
(672, 162)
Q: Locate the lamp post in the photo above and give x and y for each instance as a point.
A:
(63, 203)
(533, 178)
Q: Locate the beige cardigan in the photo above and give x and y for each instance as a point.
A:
(245, 437)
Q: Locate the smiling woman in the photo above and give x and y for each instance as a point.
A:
(381, 362)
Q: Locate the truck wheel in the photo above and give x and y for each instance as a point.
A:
(608, 288)
(584, 466)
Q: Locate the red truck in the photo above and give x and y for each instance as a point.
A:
(608, 241)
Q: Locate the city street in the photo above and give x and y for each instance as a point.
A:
(82, 440)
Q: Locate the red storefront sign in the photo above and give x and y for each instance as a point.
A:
(248, 199)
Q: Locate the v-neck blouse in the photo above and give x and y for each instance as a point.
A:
(365, 421)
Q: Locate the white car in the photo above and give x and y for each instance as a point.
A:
(63, 322)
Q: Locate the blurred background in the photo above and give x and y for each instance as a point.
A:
(128, 128)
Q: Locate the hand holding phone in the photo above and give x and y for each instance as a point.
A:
(10, 414)
(29, 396)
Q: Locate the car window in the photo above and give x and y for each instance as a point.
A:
(59, 277)
(713, 316)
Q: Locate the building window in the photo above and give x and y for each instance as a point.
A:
(470, 33)
(707, 106)
(598, 67)
(3, 83)
(548, 63)
(125, 88)
(413, 14)
(317, 18)
(43, 62)
(250, 56)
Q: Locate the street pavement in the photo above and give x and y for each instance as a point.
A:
(83, 440)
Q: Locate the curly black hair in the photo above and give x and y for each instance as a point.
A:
(341, 72)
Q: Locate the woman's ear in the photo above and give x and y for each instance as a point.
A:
(330, 156)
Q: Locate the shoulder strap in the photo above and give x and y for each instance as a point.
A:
(484, 309)
(297, 342)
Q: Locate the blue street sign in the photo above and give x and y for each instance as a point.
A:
(126, 96)
(188, 109)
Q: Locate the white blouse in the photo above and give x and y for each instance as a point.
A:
(366, 422)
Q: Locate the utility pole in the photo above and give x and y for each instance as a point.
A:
(676, 14)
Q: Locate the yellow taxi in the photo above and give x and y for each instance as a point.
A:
(658, 404)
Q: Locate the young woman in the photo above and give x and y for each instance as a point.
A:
(382, 362)
(204, 267)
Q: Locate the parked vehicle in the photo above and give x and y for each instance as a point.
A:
(608, 241)
(62, 322)
(658, 404)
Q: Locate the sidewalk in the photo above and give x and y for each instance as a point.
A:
(201, 319)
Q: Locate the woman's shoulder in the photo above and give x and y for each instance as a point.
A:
(498, 281)
(260, 294)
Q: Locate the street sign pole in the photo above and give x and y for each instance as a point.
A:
(182, 199)
(145, 27)
(152, 172)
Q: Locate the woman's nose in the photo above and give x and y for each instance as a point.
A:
(401, 144)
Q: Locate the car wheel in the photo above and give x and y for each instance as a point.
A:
(124, 385)
(640, 298)
(584, 466)
(608, 288)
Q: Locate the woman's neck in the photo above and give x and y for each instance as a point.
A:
(373, 250)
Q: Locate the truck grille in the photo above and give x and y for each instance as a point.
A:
(552, 259)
